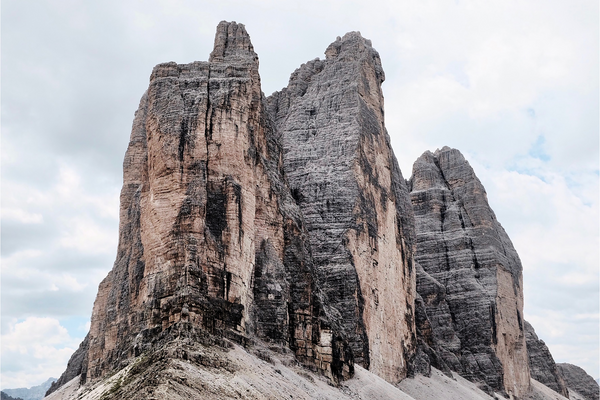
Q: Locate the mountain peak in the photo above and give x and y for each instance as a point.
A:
(232, 43)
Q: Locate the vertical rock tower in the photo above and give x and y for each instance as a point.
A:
(210, 236)
(286, 221)
(345, 178)
(471, 282)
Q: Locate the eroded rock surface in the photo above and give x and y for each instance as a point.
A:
(429, 352)
(472, 281)
(579, 381)
(284, 225)
(185, 363)
(346, 180)
(209, 231)
(541, 363)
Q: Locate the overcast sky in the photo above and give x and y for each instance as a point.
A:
(512, 84)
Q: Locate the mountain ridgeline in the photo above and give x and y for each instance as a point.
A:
(280, 230)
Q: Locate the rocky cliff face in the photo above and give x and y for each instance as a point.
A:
(346, 180)
(210, 235)
(579, 381)
(541, 364)
(471, 282)
(284, 225)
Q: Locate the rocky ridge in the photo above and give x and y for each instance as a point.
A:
(284, 225)
(343, 174)
(578, 381)
(33, 393)
(471, 275)
(541, 362)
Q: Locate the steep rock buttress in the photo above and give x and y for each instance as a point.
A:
(579, 383)
(541, 363)
(210, 235)
(471, 280)
(345, 178)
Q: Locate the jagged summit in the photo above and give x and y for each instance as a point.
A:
(232, 43)
(471, 280)
(352, 46)
(343, 174)
(270, 247)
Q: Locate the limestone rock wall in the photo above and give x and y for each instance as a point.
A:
(287, 219)
(431, 309)
(541, 363)
(473, 291)
(346, 180)
(579, 381)
(209, 232)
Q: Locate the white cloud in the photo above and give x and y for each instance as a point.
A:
(546, 220)
(70, 283)
(554, 228)
(81, 219)
(20, 269)
(34, 350)
(21, 216)
(83, 234)
(563, 336)
(10, 264)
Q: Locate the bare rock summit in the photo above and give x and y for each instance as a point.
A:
(471, 278)
(271, 248)
(345, 178)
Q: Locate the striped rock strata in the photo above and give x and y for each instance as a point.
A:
(210, 236)
(471, 281)
(541, 363)
(345, 178)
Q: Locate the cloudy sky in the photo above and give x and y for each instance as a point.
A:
(512, 84)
